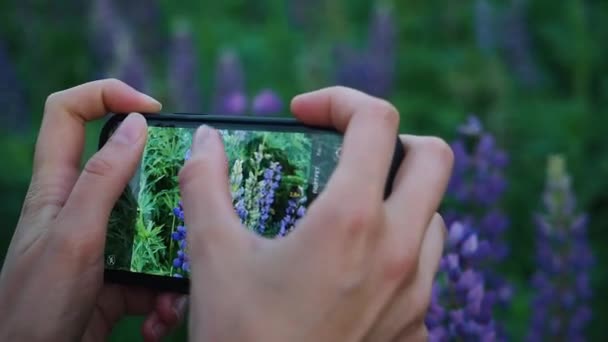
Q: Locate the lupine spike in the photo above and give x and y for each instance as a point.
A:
(15, 115)
(458, 308)
(267, 102)
(107, 29)
(180, 263)
(184, 83)
(229, 97)
(484, 26)
(131, 68)
(372, 70)
(145, 17)
(477, 185)
(518, 45)
(562, 298)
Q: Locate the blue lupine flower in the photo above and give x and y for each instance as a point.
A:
(268, 187)
(372, 70)
(179, 235)
(131, 68)
(477, 186)
(14, 115)
(145, 19)
(184, 83)
(484, 26)
(107, 29)
(267, 102)
(229, 97)
(562, 299)
(459, 309)
(295, 210)
(517, 44)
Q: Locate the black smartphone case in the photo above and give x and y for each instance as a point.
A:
(181, 285)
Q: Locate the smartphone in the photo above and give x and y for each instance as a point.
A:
(277, 168)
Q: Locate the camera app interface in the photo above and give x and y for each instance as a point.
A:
(273, 177)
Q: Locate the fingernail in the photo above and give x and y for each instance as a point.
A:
(129, 131)
(200, 138)
(179, 305)
(152, 100)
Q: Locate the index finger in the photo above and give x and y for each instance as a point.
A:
(61, 138)
(370, 125)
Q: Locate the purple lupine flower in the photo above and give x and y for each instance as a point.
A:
(517, 45)
(371, 70)
(295, 210)
(477, 186)
(107, 30)
(484, 26)
(269, 185)
(15, 115)
(234, 104)
(382, 47)
(459, 309)
(180, 237)
(267, 102)
(184, 83)
(131, 68)
(145, 18)
(561, 303)
(229, 97)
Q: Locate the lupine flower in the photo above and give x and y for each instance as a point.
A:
(372, 70)
(14, 115)
(561, 305)
(181, 262)
(184, 83)
(131, 68)
(107, 29)
(518, 45)
(237, 190)
(294, 211)
(229, 97)
(484, 26)
(145, 18)
(267, 102)
(267, 188)
(382, 47)
(477, 186)
(459, 308)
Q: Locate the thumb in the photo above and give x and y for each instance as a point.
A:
(86, 212)
(205, 190)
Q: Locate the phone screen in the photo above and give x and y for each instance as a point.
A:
(274, 175)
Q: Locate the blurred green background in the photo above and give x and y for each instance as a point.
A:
(534, 71)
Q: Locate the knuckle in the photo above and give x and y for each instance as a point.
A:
(357, 216)
(81, 250)
(386, 112)
(439, 148)
(400, 265)
(99, 166)
(41, 196)
(53, 100)
(111, 83)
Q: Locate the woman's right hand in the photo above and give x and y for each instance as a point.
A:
(356, 268)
